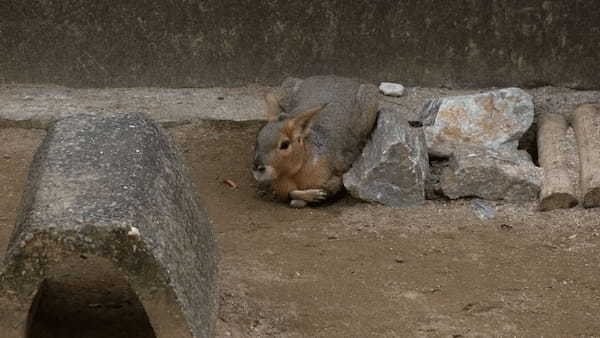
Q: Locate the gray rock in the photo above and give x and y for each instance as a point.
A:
(491, 175)
(112, 191)
(393, 165)
(494, 120)
(391, 89)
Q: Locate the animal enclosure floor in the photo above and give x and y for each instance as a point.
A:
(351, 269)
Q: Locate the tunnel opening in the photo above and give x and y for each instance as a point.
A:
(528, 142)
(87, 297)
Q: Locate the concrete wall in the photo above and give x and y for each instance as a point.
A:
(195, 43)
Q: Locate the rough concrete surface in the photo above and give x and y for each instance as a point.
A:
(111, 193)
(203, 43)
(393, 165)
(37, 106)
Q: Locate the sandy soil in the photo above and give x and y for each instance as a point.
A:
(356, 270)
(351, 269)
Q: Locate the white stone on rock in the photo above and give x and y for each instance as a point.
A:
(391, 89)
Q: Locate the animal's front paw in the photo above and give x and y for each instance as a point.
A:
(309, 195)
(315, 195)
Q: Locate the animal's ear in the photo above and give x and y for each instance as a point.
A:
(302, 122)
(273, 107)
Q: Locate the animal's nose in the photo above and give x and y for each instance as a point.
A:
(258, 166)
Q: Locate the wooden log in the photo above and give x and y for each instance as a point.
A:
(586, 124)
(557, 191)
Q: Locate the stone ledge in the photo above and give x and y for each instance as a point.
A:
(36, 106)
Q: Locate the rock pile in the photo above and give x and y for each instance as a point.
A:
(475, 136)
(480, 134)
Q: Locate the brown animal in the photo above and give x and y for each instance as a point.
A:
(317, 129)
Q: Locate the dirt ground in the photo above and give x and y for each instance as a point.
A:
(351, 269)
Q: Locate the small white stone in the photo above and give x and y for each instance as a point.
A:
(134, 233)
(391, 89)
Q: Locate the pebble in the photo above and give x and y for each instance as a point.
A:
(391, 89)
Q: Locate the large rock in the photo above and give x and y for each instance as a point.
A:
(494, 120)
(112, 191)
(492, 175)
(393, 165)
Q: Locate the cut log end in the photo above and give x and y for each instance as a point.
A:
(558, 201)
(592, 198)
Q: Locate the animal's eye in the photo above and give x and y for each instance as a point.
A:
(284, 145)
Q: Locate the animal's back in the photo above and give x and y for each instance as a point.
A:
(341, 129)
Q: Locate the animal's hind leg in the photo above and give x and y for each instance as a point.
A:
(367, 98)
(333, 185)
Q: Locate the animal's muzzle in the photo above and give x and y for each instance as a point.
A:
(259, 168)
(262, 172)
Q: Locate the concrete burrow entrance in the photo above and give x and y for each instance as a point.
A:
(87, 297)
(109, 196)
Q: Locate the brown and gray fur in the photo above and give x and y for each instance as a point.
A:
(325, 121)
